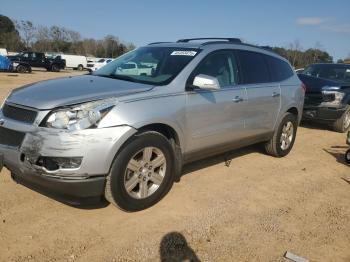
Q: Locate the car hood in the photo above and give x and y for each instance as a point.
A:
(72, 90)
(315, 84)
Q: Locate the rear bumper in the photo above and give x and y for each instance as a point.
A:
(322, 114)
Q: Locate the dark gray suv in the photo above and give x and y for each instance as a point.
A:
(125, 131)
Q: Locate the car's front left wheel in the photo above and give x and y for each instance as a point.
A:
(142, 172)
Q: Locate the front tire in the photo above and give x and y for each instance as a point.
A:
(21, 69)
(284, 136)
(80, 67)
(142, 172)
(342, 124)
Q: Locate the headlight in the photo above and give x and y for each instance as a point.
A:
(81, 116)
(332, 95)
(4, 101)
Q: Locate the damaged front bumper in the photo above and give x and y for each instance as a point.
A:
(72, 164)
(322, 114)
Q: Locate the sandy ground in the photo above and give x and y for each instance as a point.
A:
(254, 210)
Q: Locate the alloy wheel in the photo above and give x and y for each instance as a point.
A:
(145, 172)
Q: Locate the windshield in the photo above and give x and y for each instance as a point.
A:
(331, 72)
(149, 65)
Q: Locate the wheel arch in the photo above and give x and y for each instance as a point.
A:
(293, 110)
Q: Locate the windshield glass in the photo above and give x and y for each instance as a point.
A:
(332, 72)
(149, 65)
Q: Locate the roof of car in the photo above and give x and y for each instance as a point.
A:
(205, 44)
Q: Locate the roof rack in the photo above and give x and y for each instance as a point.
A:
(231, 40)
(154, 43)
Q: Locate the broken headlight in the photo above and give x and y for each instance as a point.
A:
(332, 96)
(79, 117)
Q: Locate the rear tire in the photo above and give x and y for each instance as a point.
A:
(342, 124)
(135, 183)
(284, 136)
(55, 68)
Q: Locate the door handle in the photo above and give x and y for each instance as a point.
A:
(237, 99)
(275, 94)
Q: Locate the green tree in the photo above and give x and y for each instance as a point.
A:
(9, 36)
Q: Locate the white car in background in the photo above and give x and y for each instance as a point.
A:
(98, 64)
(3, 51)
(132, 68)
(77, 62)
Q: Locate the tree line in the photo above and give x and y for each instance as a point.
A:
(24, 35)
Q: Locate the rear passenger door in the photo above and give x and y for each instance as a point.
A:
(264, 96)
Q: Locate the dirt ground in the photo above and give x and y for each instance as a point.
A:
(254, 210)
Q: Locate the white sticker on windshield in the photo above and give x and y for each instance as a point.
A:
(347, 70)
(186, 53)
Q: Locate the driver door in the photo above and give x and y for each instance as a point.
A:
(215, 118)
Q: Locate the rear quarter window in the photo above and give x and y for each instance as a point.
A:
(253, 67)
(279, 69)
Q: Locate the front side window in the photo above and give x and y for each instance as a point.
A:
(221, 65)
(253, 67)
(149, 65)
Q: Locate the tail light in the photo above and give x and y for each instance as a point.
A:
(303, 87)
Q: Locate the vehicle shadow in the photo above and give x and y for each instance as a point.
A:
(338, 152)
(224, 158)
(315, 125)
(100, 202)
(347, 181)
(174, 247)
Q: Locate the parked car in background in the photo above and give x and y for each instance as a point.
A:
(5, 64)
(299, 70)
(133, 68)
(77, 62)
(126, 136)
(327, 98)
(3, 51)
(27, 60)
(93, 66)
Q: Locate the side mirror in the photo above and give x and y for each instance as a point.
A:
(206, 82)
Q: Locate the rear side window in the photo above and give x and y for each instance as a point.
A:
(253, 67)
(279, 69)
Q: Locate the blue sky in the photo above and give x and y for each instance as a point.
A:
(324, 24)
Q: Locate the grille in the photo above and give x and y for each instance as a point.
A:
(313, 98)
(19, 114)
(90, 65)
(10, 137)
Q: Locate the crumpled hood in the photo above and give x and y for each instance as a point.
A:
(72, 90)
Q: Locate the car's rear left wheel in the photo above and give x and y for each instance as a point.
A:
(142, 172)
(284, 136)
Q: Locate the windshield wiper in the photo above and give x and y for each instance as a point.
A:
(119, 77)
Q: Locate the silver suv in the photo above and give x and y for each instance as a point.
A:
(126, 130)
